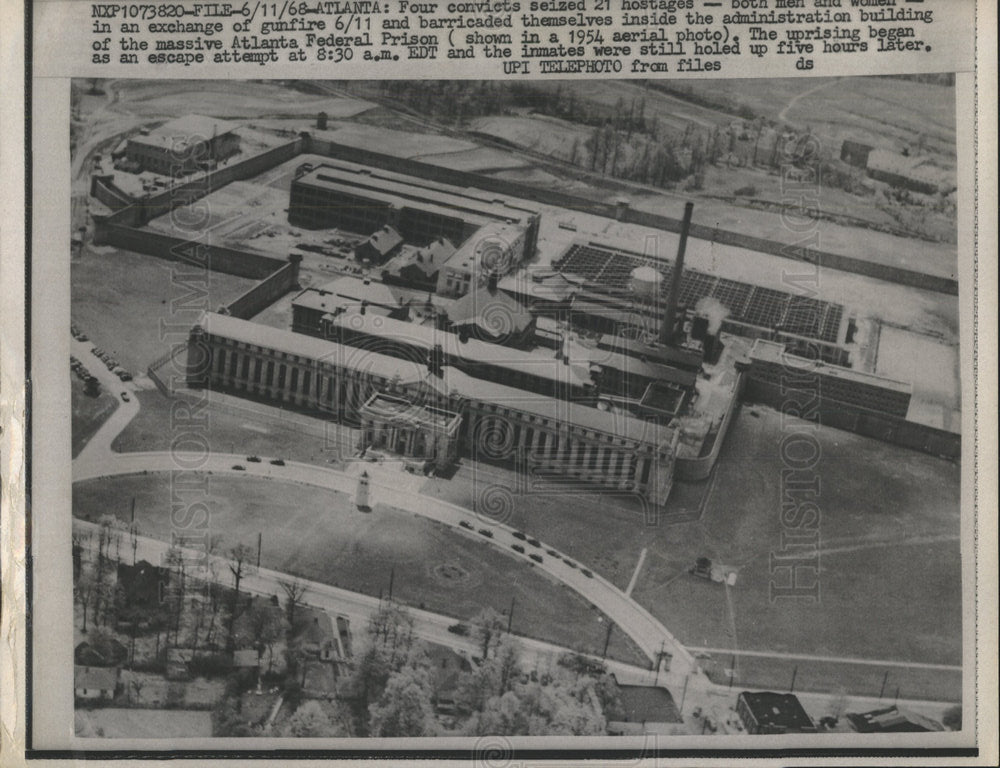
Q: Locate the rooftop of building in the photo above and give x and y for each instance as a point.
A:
(891, 720)
(384, 240)
(492, 240)
(778, 710)
(451, 382)
(385, 196)
(308, 347)
(552, 410)
(394, 408)
(354, 289)
(774, 352)
(178, 133)
(410, 192)
(541, 363)
(427, 259)
(493, 310)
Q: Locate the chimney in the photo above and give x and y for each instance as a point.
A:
(491, 283)
(669, 316)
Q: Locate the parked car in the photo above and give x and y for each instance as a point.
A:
(554, 554)
(239, 468)
(254, 459)
(278, 462)
(519, 535)
(534, 542)
(536, 558)
(486, 532)
(466, 524)
(517, 548)
(586, 572)
(570, 563)
(125, 397)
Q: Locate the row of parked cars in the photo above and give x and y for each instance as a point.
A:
(112, 364)
(89, 379)
(77, 333)
(520, 536)
(257, 460)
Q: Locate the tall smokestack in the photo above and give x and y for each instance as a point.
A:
(669, 317)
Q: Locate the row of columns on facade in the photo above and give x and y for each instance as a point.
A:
(560, 449)
(619, 464)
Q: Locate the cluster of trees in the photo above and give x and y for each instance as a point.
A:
(392, 691)
(193, 608)
(389, 688)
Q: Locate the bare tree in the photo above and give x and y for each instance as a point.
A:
(490, 625)
(294, 591)
(85, 589)
(175, 561)
(240, 559)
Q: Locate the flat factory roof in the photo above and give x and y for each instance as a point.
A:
(774, 352)
(410, 188)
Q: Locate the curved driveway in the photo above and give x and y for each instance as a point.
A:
(649, 634)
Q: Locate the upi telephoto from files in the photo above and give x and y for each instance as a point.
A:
(494, 409)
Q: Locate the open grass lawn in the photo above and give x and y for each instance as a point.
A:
(120, 299)
(866, 108)
(239, 426)
(88, 413)
(319, 535)
(889, 565)
(836, 677)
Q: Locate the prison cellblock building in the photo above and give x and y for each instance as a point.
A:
(422, 409)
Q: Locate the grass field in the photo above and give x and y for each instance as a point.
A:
(237, 426)
(317, 534)
(834, 678)
(889, 526)
(866, 108)
(88, 413)
(137, 306)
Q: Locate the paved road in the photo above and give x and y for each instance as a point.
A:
(98, 448)
(359, 607)
(392, 487)
(830, 659)
(396, 489)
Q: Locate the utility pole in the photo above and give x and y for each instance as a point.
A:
(795, 671)
(732, 671)
(885, 678)
(392, 576)
(260, 540)
(680, 710)
(659, 662)
(510, 616)
(607, 640)
(133, 510)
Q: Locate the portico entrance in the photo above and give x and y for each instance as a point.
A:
(410, 429)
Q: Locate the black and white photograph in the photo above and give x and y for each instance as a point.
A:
(499, 409)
